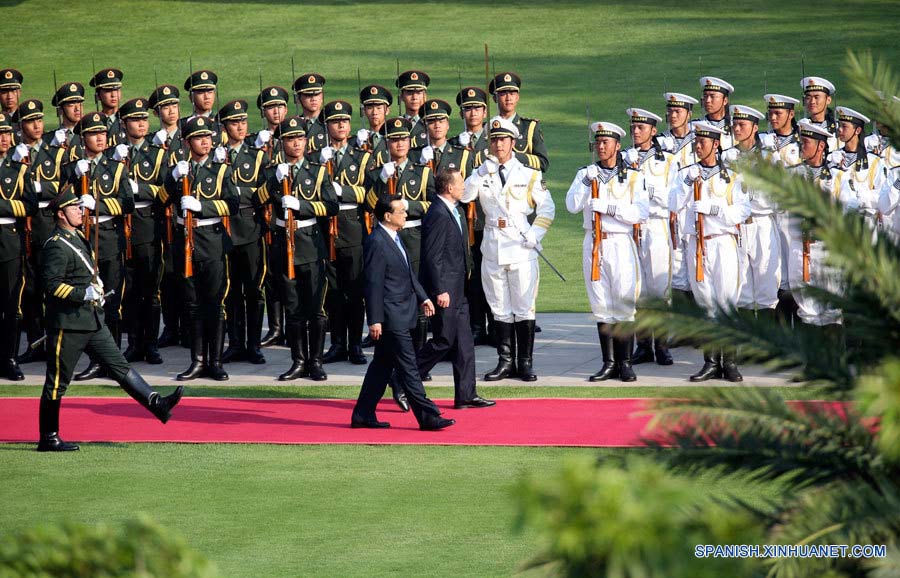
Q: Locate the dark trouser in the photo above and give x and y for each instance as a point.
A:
(112, 273)
(247, 270)
(170, 291)
(12, 281)
(205, 292)
(32, 304)
(65, 347)
(393, 354)
(452, 334)
(141, 304)
(304, 295)
(479, 312)
(344, 302)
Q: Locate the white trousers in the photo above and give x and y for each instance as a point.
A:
(613, 297)
(721, 284)
(656, 258)
(810, 310)
(760, 264)
(510, 290)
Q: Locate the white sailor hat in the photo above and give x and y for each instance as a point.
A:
(741, 112)
(850, 115)
(607, 129)
(808, 129)
(816, 83)
(676, 99)
(716, 84)
(707, 130)
(641, 115)
(500, 126)
(780, 101)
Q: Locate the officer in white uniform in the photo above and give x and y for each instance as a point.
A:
(509, 192)
(612, 268)
(889, 203)
(715, 98)
(722, 206)
(817, 96)
(655, 247)
(863, 173)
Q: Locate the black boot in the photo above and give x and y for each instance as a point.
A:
(505, 352)
(135, 350)
(622, 355)
(729, 365)
(33, 331)
(317, 329)
(644, 351)
(198, 353)
(135, 386)
(663, 356)
(525, 347)
(254, 331)
(216, 344)
(48, 418)
(355, 319)
(609, 369)
(169, 337)
(151, 331)
(337, 351)
(337, 320)
(236, 325)
(12, 371)
(711, 368)
(297, 340)
(274, 312)
(398, 394)
(93, 371)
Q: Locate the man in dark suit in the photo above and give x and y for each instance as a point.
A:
(392, 296)
(446, 262)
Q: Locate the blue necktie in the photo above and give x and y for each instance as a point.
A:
(455, 212)
(402, 250)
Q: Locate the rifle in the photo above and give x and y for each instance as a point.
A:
(487, 81)
(807, 242)
(128, 252)
(188, 232)
(332, 221)
(293, 80)
(701, 243)
(27, 162)
(359, 91)
(597, 228)
(471, 213)
(96, 92)
(286, 187)
(87, 212)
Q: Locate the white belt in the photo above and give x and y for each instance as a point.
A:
(142, 204)
(102, 218)
(348, 206)
(7, 221)
(297, 224)
(43, 204)
(201, 222)
(411, 224)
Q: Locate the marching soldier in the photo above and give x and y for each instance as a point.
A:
(530, 147)
(247, 260)
(17, 201)
(612, 268)
(863, 171)
(107, 86)
(298, 255)
(145, 230)
(413, 85)
(75, 323)
(715, 95)
(654, 166)
(10, 93)
(44, 164)
(107, 193)
(817, 96)
(509, 192)
(201, 87)
(716, 204)
(376, 102)
(346, 164)
(309, 91)
(69, 103)
(203, 263)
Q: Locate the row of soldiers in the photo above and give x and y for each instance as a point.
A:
(191, 223)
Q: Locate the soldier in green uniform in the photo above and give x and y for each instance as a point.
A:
(272, 104)
(75, 312)
(107, 86)
(247, 260)
(529, 146)
(346, 163)
(201, 87)
(69, 103)
(212, 196)
(309, 90)
(10, 93)
(312, 196)
(413, 85)
(17, 201)
(44, 164)
(438, 152)
(472, 102)
(376, 103)
(109, 195)
(146, 166)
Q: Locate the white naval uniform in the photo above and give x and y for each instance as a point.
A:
(889, 203)
(655, 249)
(726, 141)
(613, 298)
(786, 153)
(684, 156)
(721, 262)
(862, 186)
(821, 275)
(509, 270)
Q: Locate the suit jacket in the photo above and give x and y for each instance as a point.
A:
(445, 248)
(393, 293)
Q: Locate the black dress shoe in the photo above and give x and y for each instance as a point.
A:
(51, 443)
(152, 356)
(33, 355)
(195, 370)
(356, 355)
(475, 402)
(608, 371)
(168, 338)
(626, 373)
(335, 353)
(400, 399)
(93, 371)
(643, 353)
(13, 371)
(436, 423)
(316, 371)
(426, 377)
(663, 357)
(296, 371)
(731, 373)
(710, 370)
(133, 354)
(367, 342)
(234, 353)
(273, 337)
(537, 328)
(369, 424)
(162, 408)
(255, 356)
(217, 372)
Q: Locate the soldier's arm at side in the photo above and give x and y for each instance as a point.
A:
(54, 258)
(544, 209)
(739, 209)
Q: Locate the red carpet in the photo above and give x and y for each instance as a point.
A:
(512, 422)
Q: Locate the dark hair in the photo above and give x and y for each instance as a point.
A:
(442, 180)
(383, 205)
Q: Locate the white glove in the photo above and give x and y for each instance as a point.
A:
(181, 170)
(37, 186)
(59, 138)
(490, 165)
(836, 158)
(873, 143)
(631, 156)
(88, 202)
(703, 206)
(82, 167)
(120, 153)
(598, 206)
(220, 154)
(326, 154)
(134, 186)
(864, 204)
(191, 204)
(92, 294)
(20, 153)
(693, 172)
(262, 138)
(592, 172)
(530, 239)
(160, 138)
(852, 204)
(767, 140)
(405, 205)
(387, 170)
(730, 155)
(427, 155)
(338, 189)
(464, 138)
(666, 143)
(362, 137)
(290, 202)
(282, 171)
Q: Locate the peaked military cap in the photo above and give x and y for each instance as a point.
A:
(716, 84)
(816, 84)
(500, 127)
(741, 112)
(91, 122)
(435, 108)
(375, 94)
(413, 80)
(642, 116)
(5, 125)
(849, 115)
(607, 129)
(233, 110)
(679, 100)
(505, 81)
(810, 130)
(310, 83)
(64, 199)
(10, 78)
(30, 110)
(292, 126)
(707, 130)
(201, 80)
(270, 96)
(108, 78)
(338, 110)
(197, 126)
(471, 96)
(135, 108)
(68, 92)
(163, 95)
(397, 127)
(780, 101)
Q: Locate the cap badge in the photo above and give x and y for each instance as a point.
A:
(237, 106)
(507, 78)
(311, 78)
(139, 104)
(293, 122)
(273, 92)
(203, 76)
(200, 122)
(8, 74)
(434, 105)
(96, 118)
(167, 90)
(30, 106)
(73, 88)
(110, 74)
(338, 106)
(414, 76)
(471, 92)
(495, 124)
(398, 123)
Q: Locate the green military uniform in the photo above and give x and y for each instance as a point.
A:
(11, 80)
(146, 166)
(312, 83)
(110, 79)
(269, 96)
(17, 201)
(68, 92)
(374, 142)
(529, 146)
(75, 323)
(415, 80)
(199, 81)
(247, 261)
(204, 293)
(107, 183)
(344, 274)
(304, 295)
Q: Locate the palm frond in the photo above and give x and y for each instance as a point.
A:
(867, 79)
(879, 396)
